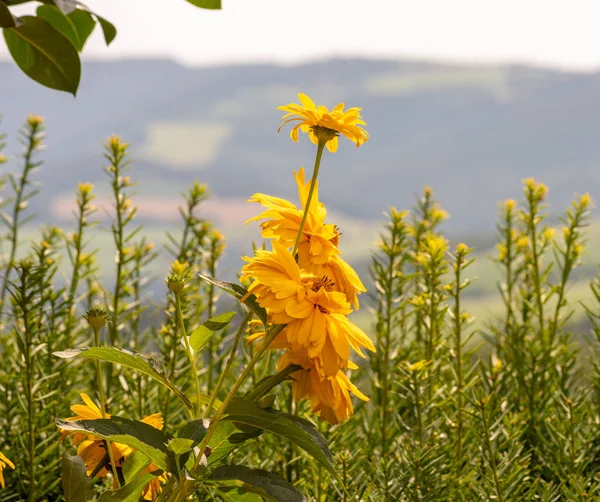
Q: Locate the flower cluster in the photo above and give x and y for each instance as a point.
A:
(93, 449)
(304, 283)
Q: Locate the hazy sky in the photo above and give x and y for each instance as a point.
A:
(545, 32)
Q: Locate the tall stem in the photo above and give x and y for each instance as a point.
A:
(313, 183)
(188, 349)
(229, 363)
(103, 406)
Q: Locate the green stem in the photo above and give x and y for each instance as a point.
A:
(275, 330)
(229, 363)
(313, 183)
(188, 350)
(103, 406)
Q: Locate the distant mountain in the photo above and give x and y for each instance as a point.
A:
(471, 132)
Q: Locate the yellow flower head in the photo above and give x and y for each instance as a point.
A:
(3, 463)
(315, 314)
(318, 253)
(91, 448)
(328, 396)
(320, 123)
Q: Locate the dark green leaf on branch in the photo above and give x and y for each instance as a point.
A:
(76, 484)
(139, 435)
(108, 29)
(300, 432)
(44, 54)
(268, 483)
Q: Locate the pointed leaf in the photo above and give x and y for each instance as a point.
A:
(108, 29)
(44, 54)
(239, 292)
(269, 483)
(299, 431)
(180, 446)
(139, 435)
(76, 485)
(135, 463)
(7, 20)
(219, 322)
(133, 360)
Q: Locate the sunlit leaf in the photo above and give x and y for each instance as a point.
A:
(138, 362)
(139, 435)
(299, 431)
(131, 492)
(201, 335)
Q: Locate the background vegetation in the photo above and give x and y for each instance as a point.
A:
(503, 408)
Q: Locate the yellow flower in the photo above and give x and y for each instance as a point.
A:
(315, 314)
(92, 449)
(3, 463)
(329, 396)
(319, 122)
(317, 252)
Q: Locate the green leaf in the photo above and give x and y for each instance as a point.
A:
(269, 483)
(60, 22)
(239, 292)
(219, 442)
(235, 494)
(108, 29)
(219, 322)
(180, 445)
(138, 362)
(299, 431)
(139, 435)
(84, 25)
(201, 335)
(131, 492)
(7, 20)
(135, 463)
(76, 485)
(44, 54)
(194, 430)
(206, 4)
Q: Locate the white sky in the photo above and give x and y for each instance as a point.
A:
(543, 32)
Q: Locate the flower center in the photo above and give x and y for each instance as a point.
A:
(323, 282)
(324, 133)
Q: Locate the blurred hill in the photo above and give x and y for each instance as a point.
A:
(471, 132)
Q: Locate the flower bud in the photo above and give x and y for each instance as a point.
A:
(97, 317)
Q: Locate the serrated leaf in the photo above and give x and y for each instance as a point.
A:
(138, 362)
(135, 463)
(206, 4)
(180, 445)
(269, 483)
(75, 483)
(299, 431)
(239, 292)
(44, 54)
(131, 492)
(139, 435)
